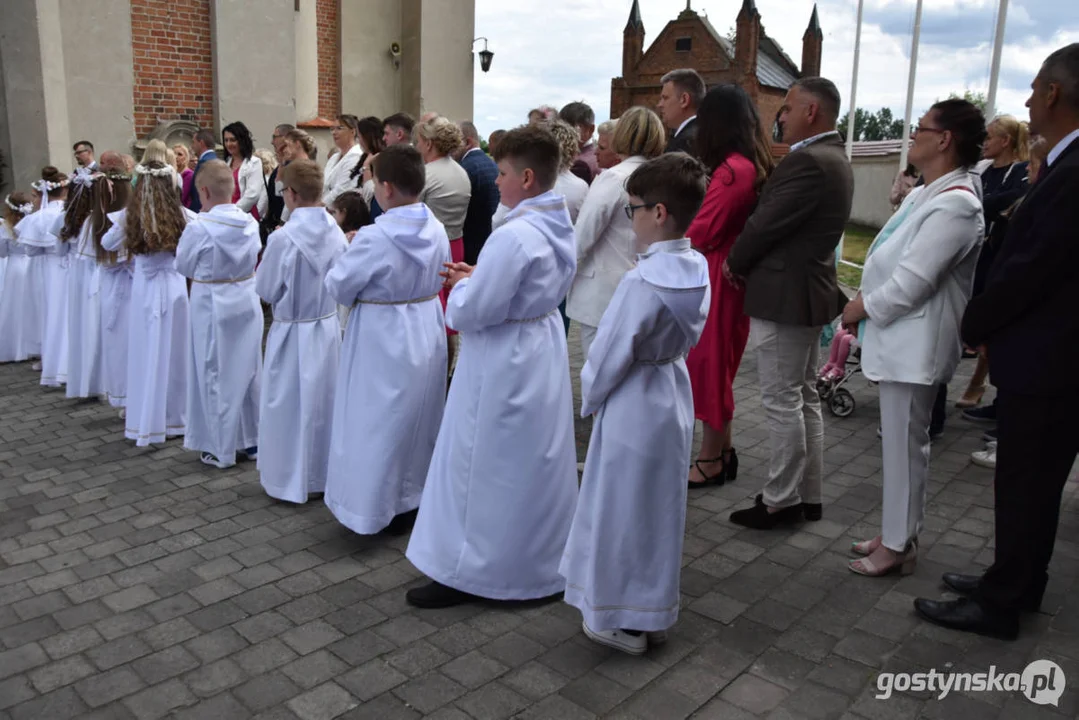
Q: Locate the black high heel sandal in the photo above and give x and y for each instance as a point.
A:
(709, 480)
(730, 464)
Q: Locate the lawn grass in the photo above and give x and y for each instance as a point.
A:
(856, 242)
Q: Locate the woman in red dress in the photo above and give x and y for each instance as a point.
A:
(731, 142)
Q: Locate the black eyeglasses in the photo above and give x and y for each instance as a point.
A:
(630, 209)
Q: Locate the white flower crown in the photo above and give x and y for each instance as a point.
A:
(84, 177)
(25, 208)
(158, 172)
(44, 186)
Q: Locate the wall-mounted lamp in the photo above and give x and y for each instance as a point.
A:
(486, 56)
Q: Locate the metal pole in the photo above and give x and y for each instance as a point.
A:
(994, 72)
(905, 142)
(854, 82)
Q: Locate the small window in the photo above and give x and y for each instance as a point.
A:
(683, 44)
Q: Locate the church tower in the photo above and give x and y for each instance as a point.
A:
(632, 43)
(812, 41)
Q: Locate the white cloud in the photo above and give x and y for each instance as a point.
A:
(556, 51)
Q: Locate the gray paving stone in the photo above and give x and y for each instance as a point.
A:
(118, 652)
(266, 691)
(60, 673)
(754, 694)
(267, 655)
(262, 626)
(21, 659)
(311, 636)
(371, 679)
(14, 691)
(322, 703)
(217, 644)
(223, 705)
(158, 701)
(106, 687)
(429, 692)
(211, 679)
(62, 704)
(314, 669)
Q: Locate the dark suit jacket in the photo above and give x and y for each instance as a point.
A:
(685, 141)
(196, 201)
(786, 252)
(1028, 315)
(482, 173)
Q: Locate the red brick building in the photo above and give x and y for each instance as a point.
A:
(754, 61)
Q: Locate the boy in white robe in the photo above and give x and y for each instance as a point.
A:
(623, 559)
(391, 385)
(218, 252)
(300, 375)
(502, 487)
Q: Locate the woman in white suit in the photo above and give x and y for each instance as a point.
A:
(917, 280)
(337, 175)
(606, 245)
(250, 189)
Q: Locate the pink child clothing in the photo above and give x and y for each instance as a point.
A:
(837, 357)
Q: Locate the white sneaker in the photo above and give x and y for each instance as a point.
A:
(985, 458)
(123, 413)
(36, 367)
(632, 644)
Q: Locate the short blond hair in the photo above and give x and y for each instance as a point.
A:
(305, 179)
(639, 132)
(568, 142)
(443, 134)
(215, 176)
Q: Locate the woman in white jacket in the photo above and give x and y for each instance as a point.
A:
(250, 190)
(337, 175)
(917, 280)
(606, 245)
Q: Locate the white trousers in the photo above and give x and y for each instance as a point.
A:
(787, 357)
(588, 334)
(905, 411)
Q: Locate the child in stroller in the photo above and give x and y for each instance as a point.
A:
(844, 361)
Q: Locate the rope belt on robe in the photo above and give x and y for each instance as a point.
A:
(532, 319)
(395, 302)
(664, 361)
(307, 320)
(121, 296)
(227, 280)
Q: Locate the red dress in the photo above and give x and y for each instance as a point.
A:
(714, 361)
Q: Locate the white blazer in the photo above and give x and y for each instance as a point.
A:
(916, 284)
(335, 176)
(606, 245)
(252, 187)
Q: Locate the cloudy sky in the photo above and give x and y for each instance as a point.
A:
(556, 51)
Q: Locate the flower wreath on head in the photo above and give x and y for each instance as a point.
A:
(156, 172)
(83, 178)
(44, 186)
(25, 208)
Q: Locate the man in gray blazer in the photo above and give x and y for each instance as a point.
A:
(785, 256)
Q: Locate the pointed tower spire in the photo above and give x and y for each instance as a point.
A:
(635, 23)
(749, 8)
(812, 41)
(814, 24)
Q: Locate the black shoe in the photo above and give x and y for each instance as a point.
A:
(402, 523)
(969, 616)
(935, 434)
(984, 414)
(730, 461)
(758, 517)
(968, 585)
(716, 480)
(810, 511)
(990, 435)
(436, 595)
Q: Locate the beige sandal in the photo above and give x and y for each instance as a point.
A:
(971, 398)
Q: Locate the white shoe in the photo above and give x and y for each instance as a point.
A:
(632, 644)
(123, 413)
(657, 637)
(36, 367)
(985, 458)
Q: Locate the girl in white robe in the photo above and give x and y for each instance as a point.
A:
(300, 366)
(391, 385)
(85, 378)
(117, 275)
(20, 298)
(158, 321)
(218, 251)
(502, 487)
(623, 560)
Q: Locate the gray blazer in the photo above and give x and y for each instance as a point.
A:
(786, 252)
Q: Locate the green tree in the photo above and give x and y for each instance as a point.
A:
(881, 125)
(977, 98)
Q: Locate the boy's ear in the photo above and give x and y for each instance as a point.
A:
(661, 213)
(529, 177)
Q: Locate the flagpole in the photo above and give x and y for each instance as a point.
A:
(905, 140)
(854, 82)
(994, 73)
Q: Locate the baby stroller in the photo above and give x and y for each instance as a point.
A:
(830, 385)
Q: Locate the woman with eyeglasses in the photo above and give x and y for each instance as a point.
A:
(343, 159)
(918, 277)
(606, 245)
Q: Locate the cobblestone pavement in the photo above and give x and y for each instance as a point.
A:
(139, 583)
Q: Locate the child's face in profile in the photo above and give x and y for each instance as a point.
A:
(512, 185)
(647, 225)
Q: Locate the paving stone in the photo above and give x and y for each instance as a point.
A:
(323, 703)
(417, 658)
(267, 655)
(211, 679)
(493, 701)
(266, 691)
(60, 673)
(217, 644)
(158, 701)
(371, 679)
(262, 626)
(165, 664)
(14, 691)
(62, 704)
(754, 694)
(314, 669)
(311, 636)
(106, 687)
(21, 659)
(223, 705)
(429, 692)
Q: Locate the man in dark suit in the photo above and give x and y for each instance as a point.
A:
(786, 258)
(679, 99)
(482, 173)
(1027, 322)
(202, 144)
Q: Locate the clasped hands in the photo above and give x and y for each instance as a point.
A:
(454, 272)
(734, 280)
(853, 313)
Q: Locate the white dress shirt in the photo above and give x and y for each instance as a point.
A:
(1061, 146)
(811, 140)
(685, 122)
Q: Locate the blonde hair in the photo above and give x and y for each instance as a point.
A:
(268, 158)
(639, 132)
(1018, 133)
(569, 142)
(187, 151)
(607, 127)
(305, 141)
(155, 218)
(216, 177)
(156, 151)
(304, 178)
(443, 134)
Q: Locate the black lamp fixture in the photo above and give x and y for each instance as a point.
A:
(486, 56)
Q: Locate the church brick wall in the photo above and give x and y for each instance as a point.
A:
(329, 58)
(173, 67)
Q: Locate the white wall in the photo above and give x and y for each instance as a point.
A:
(446, 71)
(370, 84)
(873, 178)
(24, 92)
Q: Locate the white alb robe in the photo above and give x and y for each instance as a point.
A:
(20, 301)
(218, 251)
(85, 376)
(623, 560)
(391, 384)
(502, 487)
(300, 372)
(115, 294)
(39, 230)
(158, 340)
